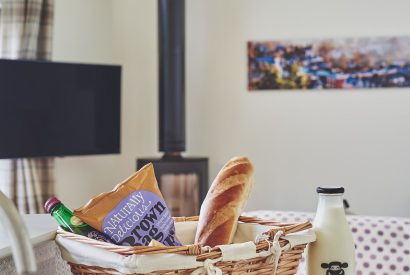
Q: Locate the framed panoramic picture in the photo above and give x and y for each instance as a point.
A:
(342, 63)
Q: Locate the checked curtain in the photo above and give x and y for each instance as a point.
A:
(26, 33)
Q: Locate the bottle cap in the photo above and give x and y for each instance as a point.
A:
(50, 204)
(330, 190)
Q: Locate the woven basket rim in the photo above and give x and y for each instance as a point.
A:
(194, 249)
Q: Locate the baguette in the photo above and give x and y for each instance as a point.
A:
(224, 203)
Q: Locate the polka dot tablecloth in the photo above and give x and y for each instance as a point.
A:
(382, 243)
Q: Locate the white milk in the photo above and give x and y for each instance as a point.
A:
(333, 252)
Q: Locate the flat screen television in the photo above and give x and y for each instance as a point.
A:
(58, 109)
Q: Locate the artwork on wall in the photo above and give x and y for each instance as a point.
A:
(311, 64)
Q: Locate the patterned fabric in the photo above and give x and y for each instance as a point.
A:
(26, 29)
(27, 182)
(382, 243)
(25, 33)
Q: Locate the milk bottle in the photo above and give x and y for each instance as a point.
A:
(333, 252)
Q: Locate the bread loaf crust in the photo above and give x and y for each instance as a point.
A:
(224, 203)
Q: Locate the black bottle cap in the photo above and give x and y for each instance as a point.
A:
(330, 190)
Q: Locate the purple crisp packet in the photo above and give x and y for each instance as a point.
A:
(139, 218)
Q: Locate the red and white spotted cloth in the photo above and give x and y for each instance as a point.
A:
(382, 243)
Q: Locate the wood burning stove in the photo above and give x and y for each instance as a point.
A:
(183, 181)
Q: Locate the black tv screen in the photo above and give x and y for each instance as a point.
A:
(58, 109)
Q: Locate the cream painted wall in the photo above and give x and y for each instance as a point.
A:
(297, 140)
(114, 32)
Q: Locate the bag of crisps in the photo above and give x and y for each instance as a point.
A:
(133, 213)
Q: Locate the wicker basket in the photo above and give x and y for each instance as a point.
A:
(287, 265)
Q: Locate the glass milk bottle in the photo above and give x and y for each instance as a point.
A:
(333, 251)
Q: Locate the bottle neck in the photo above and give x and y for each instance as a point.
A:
(63, 216)
(330, 201)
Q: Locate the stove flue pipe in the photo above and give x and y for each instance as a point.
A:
(171, 46)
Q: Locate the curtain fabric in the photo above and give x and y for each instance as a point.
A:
(26, 33)
(26, 29)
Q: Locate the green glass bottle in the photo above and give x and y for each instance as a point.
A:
(71, 223)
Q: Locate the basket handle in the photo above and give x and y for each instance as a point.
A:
(241, 219)
(290, 228)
